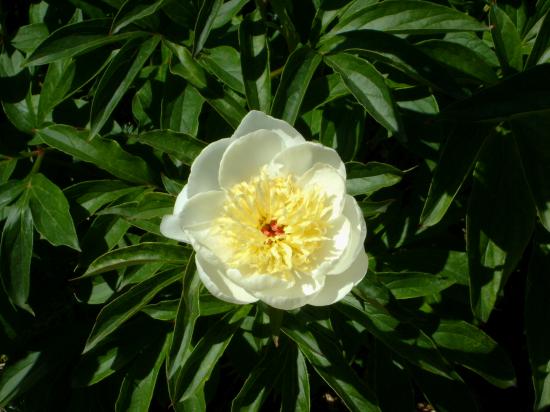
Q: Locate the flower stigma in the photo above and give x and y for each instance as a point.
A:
(272, 225)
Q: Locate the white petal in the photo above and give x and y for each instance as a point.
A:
(256, 120)
(331, 251)
(202, 208)
(212, 276)
(205, 168)
(257, 282)
(298, 159)
(353, 213)
(245, 157)
(292, 298)
(170, 226)
(327, 179)
(338, 286)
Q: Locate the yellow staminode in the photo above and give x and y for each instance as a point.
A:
(271, 225)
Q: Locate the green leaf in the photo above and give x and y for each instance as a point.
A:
(328, 362)
(343, 127)
(92, 195)
(404, 339)
(365, 179)
(50, 212)
(7, 167)
(537, 313)
(187, 315)
(149, 206)
(201, 361)
(10, 191)
(138, 385)
(104, 153)
(542, 42)
(499, 221)
(295, 383)
(15, 378)
(205, 20)
(531, 135)
(255, 69)
(397, 53)
(118, 77)
(180, 145)
(16, 253)
(132, 11)
(297, 74)
(506, 40)
(523, 93)
(77, 38)
(23, 114)
(259, 383)
(225, 63)
(283, 9)
(369, 88)
(456, 160)
(29, 37)
(224, 102)
(459, 58)
(463, 343)
(181, 106)
(146, 252)
(406, 285)
(57, 83)
(118, 311)
(408, 16)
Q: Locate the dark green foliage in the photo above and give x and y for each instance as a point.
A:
(441, 111)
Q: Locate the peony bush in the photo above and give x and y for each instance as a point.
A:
(186, 187)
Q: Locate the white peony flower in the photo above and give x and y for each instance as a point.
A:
(269, 218)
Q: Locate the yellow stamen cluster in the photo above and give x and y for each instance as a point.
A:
(271, 225)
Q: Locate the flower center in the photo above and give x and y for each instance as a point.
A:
(272, 225)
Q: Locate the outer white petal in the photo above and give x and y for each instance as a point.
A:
(181, 200)
(170, 226)
(202, 208)
(292, 298)
(298, 159)
(212, 275)
(327, 179)
(245, 157)
(257, 282)
(333, 248)
(205, 168)
(353, 213)
(338, 286)
(256, 120)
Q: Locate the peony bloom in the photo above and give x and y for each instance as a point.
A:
(269, 218)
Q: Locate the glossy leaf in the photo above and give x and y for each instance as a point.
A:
(118, 311)
(406, 285)
(181, 107)
(499, 222)
(183, 147)
(364, 179)
(409, 16)
(328, 362)
(464, 343)
(405, 339)
(295, 383)
(537, 312)
(75, 39)
(138, 385)
(57, 83)
(15, 378)
(205, 20)
(457, 158)
(531, 137)
(132, 11)
(118, 77)
(16, 253)
(205, 355)
(105, 154)
(255, 62)
(225, 63)
(30, 36)
(506, 40)
(297, 74)
(50, 212)
(138, 254)
(542, 43)
(342, 128)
